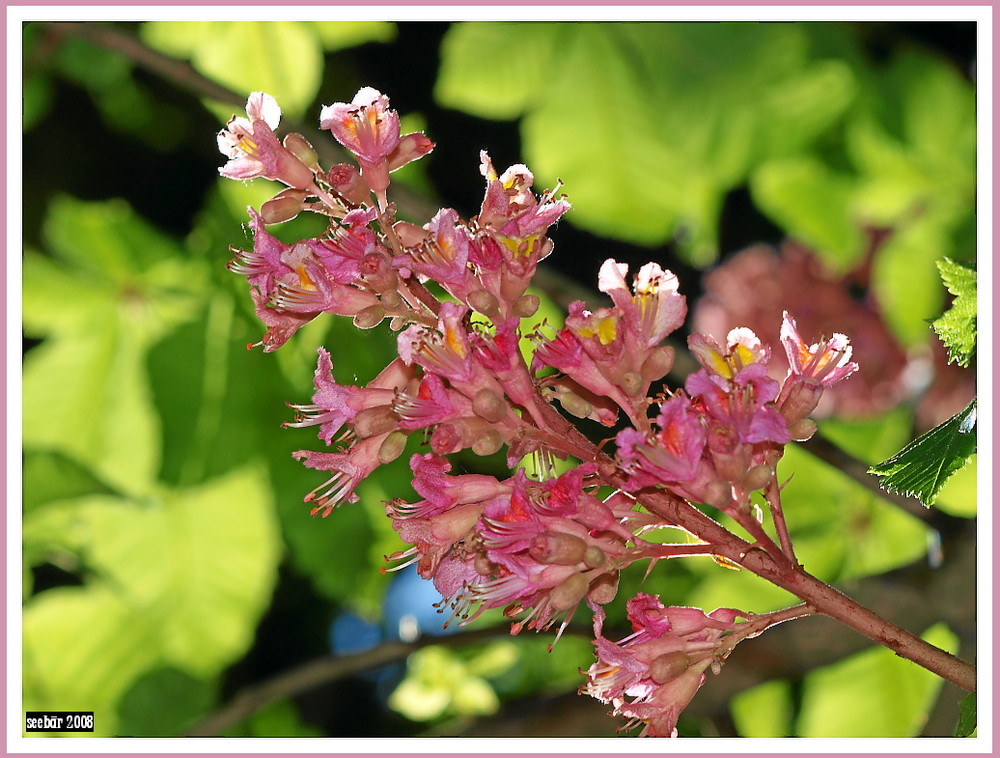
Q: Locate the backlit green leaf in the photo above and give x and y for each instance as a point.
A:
(872, 694)
(957, 327)
(281, 58)
(674, 115)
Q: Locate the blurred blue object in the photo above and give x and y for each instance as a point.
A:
(409, 608)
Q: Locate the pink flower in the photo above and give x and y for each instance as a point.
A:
(350, 469)
(443, 258)
(370, 129)
(334, 404)
(651, 675)
(826, 362)
(253, 149)
(672, 454)
(366, 126)
(654, 309)
(743, 348)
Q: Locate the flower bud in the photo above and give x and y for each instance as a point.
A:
(802, 429)
(484, 302)
(370, 317)
(410, 235)
(603, 589)
(346, 180)
(631, 383)
(446, 439)
(299, 146)
(802, 399)
(392, 446)
(483, 565)
(719, 494)
(372, 421)
(284, 206)
(526, 306)
(658, 363)
(378, 272)
(575, 405)
(489, 405)
(758, 477)
(391, 300)
(557, 547)
(488, 444)
(594, 557)
(669, 666)
(568, 593)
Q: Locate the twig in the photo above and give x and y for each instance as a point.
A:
(326, 669)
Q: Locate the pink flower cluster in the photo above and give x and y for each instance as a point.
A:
(540, 546)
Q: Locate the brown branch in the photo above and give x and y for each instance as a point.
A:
(326, 669)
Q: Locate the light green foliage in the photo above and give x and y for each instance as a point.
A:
(277, 57)
(957, 327)
(872, 694)
(441, 681)
(923, 467)
(674, 115)
(111, 287)
(171, 581)
(764, 710)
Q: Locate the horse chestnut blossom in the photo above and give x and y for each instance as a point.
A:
(548, 545)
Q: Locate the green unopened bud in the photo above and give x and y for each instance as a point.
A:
(631, 383)
(758, 477)
(569, 592)
(575, 405)
(370, 317)
(669, 666)
(392, 447)
(802, 429)
(484, 302)
(557, 547)
(283, 207)
(299, 146)
(488, 405)
(603, 589)
(526, 306)
(488, 444)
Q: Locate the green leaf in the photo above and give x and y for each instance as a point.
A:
(764, 710)
(83, 647)
(957, 327)
(674, 115)
(509, 88)
(967, 719)
(281, 58)
(164, 702)
(201, 565)
(48, 476)
(904, 279)
(194, 568)
(337, 35)
(872, 694)
(278, 719)
(921, 468)
(813, 204)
